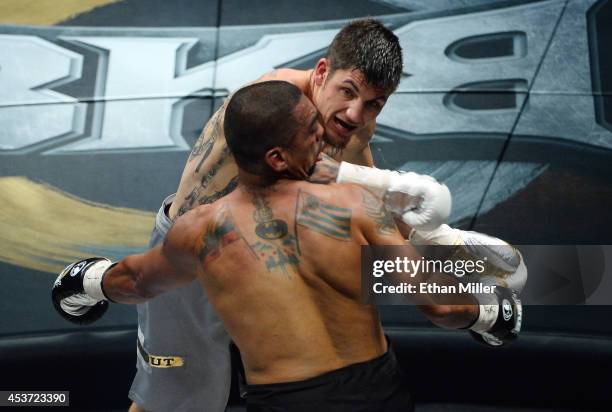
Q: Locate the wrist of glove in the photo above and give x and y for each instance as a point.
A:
(421, 201)
(500, 317)
(77, 292)
(503, 264)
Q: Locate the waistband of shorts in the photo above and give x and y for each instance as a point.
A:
(162, 221)
(388, 358)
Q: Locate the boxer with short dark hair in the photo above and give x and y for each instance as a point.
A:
(358, 47)
(268, 256)
(252, 129)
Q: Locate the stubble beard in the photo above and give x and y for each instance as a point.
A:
(333, 150)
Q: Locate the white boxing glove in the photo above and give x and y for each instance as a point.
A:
(421, 201)
(504, 264)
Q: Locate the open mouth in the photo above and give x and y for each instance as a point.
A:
(343, 126)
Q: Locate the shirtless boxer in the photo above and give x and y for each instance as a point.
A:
(349, 87)
(268, 256)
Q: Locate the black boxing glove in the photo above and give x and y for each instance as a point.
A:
(500, 317)
(77, 292)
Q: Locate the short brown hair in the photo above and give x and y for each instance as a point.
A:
(370, 47)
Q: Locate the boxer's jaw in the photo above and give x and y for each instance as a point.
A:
(306, 146)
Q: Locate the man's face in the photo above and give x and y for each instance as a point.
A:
(307, 143)
(346, 102)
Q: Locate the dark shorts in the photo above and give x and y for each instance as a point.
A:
(376, 385)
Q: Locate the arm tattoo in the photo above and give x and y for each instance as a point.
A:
(219, 234)
(231, 185)
(203, 149)
(329, 220)
(385, 225)
(215, 167)
(213, 137)
(195, 197)
(203, 146)
(329, 163)
(188, 202)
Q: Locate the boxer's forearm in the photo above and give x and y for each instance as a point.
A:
(449, 310)
(81, 291)
(126, 283)
(503, 264)
(140, 277)
(435, 294)
(451, 316)
(420, 200)
(326, 170)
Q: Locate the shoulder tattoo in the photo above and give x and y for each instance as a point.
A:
(220, 233)
(329, 220)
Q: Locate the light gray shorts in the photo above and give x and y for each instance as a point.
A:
(183, 350)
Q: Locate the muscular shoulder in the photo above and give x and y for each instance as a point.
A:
(367, 210)
(298, 78)
(187, 230)
(340, 195)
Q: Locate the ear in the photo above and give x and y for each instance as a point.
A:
(275, 158)
(321, 71)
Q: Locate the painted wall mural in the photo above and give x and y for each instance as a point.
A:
(508, 102)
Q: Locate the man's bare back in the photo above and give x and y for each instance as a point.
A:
(290, 255)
